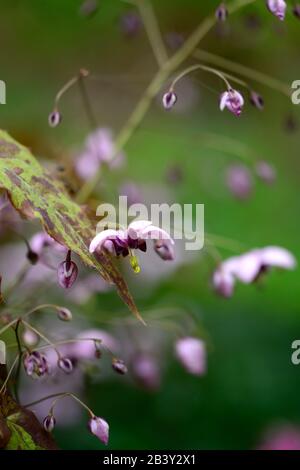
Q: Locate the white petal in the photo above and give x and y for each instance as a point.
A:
(100, 238)
(223, 100)
(156, 233)
(245, 267)
(136, 228)
(279, 257)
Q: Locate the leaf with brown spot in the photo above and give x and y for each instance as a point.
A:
(38, 195)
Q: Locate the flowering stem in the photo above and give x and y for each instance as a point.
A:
(153, 88)
(243, 71)
(41, 335)
(68, 341)
(153, 32)
(8, 326)
(87, 103)
(195, 67)
(40, 307)
(19, 359)
(68, 394)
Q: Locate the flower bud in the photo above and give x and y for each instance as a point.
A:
(191, 353)
(169, 99)
(265, 172)
(49, 423)
(54, 118)
(30, 338)
(277, 7)
(119, 366)
(257, 100)
(64, 314)
(221, 12)
(100, 428)
(67, 272)
(65, 364)
(32, 256)
(296, 10)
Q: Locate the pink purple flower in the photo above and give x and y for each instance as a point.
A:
(233, 101)
(239, 181)
(277, 7)
(248, 267)
(100, 428)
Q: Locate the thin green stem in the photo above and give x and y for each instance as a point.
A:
(87, 103)
(41, 335)
(195, 67)
(153, 32)
(243, 71)
(19, 359)
(68, 394)
(6, 327)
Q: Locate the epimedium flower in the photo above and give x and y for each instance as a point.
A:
(277, 7)
(65, 364)
(123, 242)
(191, 353)
(232, 100)
(36, 364)
(249, 267)
(119, 366)
(100, 428)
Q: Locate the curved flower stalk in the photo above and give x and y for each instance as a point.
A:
(249, 267)
(123, 242)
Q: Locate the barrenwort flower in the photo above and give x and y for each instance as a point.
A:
(233, 101)
(64, 314)
(122, 242)
(67, 272)
(54, 118)
(119, 366)
(191, 353)
(49, 423)
(257, 100)
(35, 364)
(221, 12)
(65, 364)
(169, 100)
(100, 428)
(249, 267)
(277, 7)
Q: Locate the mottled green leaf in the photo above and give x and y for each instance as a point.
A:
(36, 194)
(20, 439)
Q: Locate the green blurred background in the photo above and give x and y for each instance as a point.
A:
(251, 383)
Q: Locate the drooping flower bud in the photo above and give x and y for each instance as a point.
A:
(191, 353)
(296, 10)
(67, 272)
(49, 423)
(54, 118)
(100, 428)
(65, 364)
(88, 7)
(169, 99)
(222, 12)
(30, 338)
(32, 256)
(257, 100)
(239, 181)
(233, 101)
(277, 7)
(119, 366)
(64, 314)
